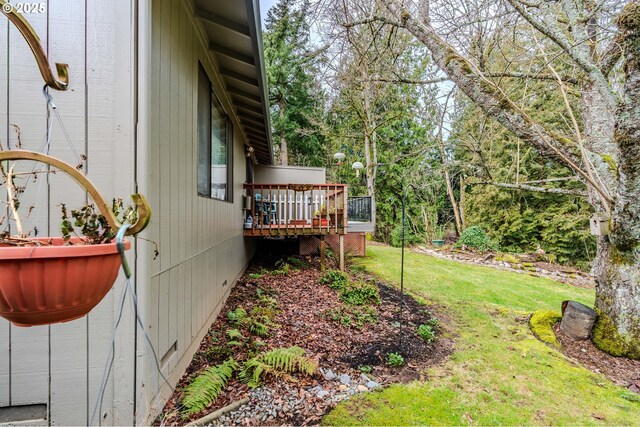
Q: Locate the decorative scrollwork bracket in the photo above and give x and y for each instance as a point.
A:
(29, 34)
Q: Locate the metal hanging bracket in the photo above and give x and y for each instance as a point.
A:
(142, 207)
(29, 34)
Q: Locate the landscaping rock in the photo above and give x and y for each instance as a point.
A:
(372, 384)
(322, 394)
(345, 379)
(362, 388)
(327, 374)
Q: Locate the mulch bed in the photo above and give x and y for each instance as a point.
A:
(622, 371)
(302, 321)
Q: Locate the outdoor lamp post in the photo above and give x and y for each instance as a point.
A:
(339, 157)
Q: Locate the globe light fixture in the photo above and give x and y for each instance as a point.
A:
(357, 166)
(339, 157)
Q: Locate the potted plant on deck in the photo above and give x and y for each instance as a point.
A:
(319, 217)
(48, 280)
(336, 215)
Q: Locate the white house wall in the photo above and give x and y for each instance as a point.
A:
(201, 243)
(61, 366)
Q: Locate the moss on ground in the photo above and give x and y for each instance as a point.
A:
(542, 322)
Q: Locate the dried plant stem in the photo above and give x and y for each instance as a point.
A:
(12, 201)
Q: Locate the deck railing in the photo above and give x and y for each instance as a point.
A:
(291, 209)
(359, 208)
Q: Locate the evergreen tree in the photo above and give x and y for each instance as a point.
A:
(294, 93)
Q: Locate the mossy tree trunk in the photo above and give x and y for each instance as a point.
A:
(614, 153)
(617, 265)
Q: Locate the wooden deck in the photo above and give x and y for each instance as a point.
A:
(292, 230)
(295, 209)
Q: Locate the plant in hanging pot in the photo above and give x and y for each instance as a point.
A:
(45, 280)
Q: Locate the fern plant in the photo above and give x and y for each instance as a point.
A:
(237, 316)
(278, 363)
(258, 328)
(206, 387)
(234, 334)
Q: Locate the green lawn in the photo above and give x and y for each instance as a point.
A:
(499, 373)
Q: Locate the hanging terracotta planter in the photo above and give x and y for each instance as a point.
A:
(55, 282)
(58, 281)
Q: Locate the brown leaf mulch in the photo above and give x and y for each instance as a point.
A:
(303, 321)
(622, 371)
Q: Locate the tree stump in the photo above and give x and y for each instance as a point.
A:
(577, 320)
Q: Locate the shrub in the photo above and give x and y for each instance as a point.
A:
(352, 316)
(335, 279)
(296, 262)
(277, 363)
(284, 269)
(427, 333)
(360, 293)
(206, 387)
(475, 238)
(409, 237)
(395, 360)
(365, 369)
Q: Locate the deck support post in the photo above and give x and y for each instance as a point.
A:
(341, 238)
(322, 253)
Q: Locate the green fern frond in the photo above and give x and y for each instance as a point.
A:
(259, 329)
(234, 334)
(237, 316)
(206, 387)
(278, 363)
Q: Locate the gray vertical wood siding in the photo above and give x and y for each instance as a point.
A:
(62, 365)
(200, 240)
(202, 248)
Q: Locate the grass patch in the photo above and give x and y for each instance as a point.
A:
(500, 373)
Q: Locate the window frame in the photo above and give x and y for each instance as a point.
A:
(208, 106)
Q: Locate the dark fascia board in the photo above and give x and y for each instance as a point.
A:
(253, 12)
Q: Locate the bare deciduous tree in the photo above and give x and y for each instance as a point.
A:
(584, 34)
